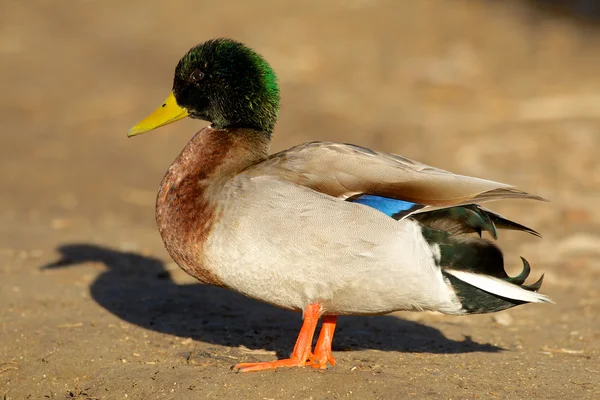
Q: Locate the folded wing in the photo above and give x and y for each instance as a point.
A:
(344, 171)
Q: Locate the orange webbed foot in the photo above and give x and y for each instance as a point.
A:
(301, 349)
(302, 355)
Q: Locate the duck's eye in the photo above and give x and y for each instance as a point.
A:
(197, 76)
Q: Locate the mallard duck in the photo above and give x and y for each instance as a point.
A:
(323, 228)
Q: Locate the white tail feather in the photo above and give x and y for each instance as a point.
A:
(499, 287)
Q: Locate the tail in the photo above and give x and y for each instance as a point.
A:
(474, 266)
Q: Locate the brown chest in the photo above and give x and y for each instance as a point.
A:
(185, 219)
(187, 206)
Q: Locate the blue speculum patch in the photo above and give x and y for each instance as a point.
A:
(391, 207)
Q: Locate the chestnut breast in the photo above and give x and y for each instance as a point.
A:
(187, 205)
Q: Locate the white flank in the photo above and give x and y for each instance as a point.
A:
(499, 287)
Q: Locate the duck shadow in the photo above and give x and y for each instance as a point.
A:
(139, 290)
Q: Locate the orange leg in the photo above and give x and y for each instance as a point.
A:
(322, 353)
(301, 349)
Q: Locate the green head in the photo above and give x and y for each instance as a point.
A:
(224, 82)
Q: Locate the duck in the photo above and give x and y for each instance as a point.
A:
(325, 229)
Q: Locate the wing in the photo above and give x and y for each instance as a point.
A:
(345, 171)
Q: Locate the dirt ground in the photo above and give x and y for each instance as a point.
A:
(92, 307)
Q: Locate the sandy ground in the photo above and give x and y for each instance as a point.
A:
(92, 307)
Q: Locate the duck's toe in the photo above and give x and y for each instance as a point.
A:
(320, 360)
(262, 366)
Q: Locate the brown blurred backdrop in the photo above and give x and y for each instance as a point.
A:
(504, 90)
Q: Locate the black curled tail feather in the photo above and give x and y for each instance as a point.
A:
(520, 279)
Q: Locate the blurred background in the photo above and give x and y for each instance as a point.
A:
(504, 90)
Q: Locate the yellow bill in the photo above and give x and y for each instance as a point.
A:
(167, 113)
